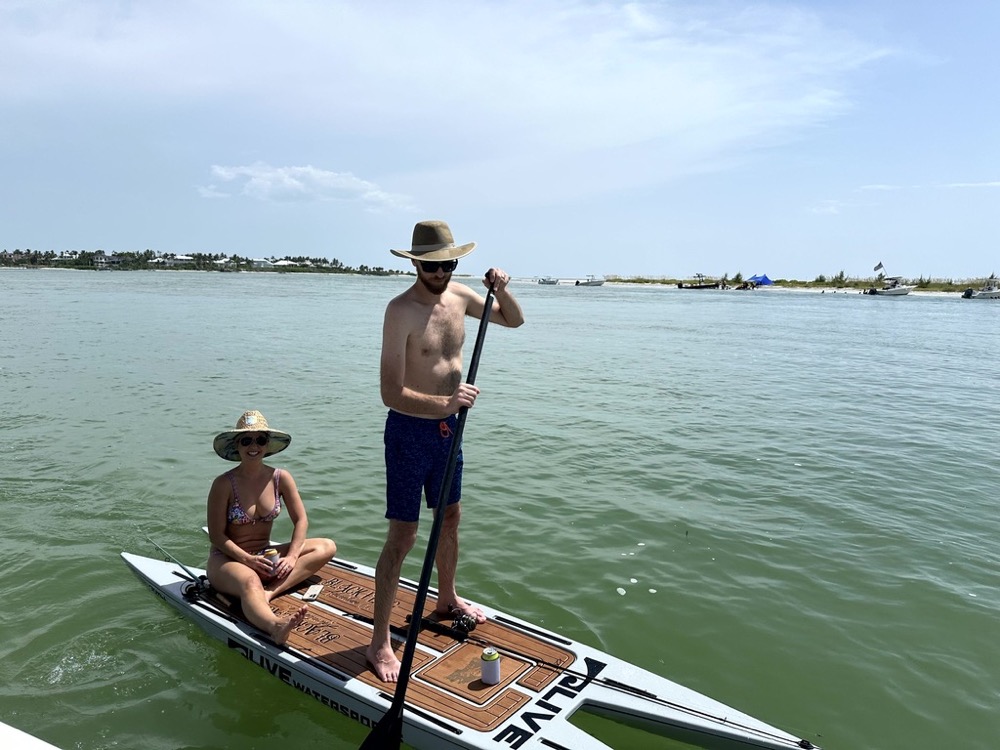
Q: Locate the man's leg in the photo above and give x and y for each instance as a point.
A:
(398, 543)
(449, 601)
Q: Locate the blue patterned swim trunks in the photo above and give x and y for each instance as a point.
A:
(416, 456)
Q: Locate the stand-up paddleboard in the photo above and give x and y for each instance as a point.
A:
(544, 678)
(15, 739)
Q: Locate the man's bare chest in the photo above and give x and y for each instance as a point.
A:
(441, 335)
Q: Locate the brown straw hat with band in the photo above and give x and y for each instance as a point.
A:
(432, 240)
(251, 421)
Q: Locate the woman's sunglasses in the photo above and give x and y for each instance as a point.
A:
(261, 440)
(431, 266)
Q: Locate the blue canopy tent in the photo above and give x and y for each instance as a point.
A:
(761, 280)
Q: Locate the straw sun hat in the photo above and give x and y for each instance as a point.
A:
(251, 421)
(432, 240)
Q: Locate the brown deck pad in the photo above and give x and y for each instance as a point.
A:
(354, 592)
(447, 684)
(340, 643)
(460, 670)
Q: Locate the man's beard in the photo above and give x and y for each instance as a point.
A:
(432, 285)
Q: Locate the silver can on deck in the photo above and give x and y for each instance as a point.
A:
(490, 666)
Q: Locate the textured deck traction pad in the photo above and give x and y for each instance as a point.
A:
(447, 684)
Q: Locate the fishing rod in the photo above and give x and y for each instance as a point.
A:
(200, 581)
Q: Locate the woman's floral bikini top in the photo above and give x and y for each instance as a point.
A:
(239, 517)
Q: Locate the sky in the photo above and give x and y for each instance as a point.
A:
(565, 137)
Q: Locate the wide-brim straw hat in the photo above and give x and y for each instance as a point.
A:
(251, 421)
(432, 240)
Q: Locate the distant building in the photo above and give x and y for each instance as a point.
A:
(106, 261)
(177, 260)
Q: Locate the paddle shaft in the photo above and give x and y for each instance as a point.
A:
(387, 733)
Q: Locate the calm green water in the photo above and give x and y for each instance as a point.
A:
(795, 492)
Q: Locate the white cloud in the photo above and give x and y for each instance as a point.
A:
(993, 184)
(264, 182)
(945, 186)
(562, 95)
(211, 191)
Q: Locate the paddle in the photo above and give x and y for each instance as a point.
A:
(388, 733)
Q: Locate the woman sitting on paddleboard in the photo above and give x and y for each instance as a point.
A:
(242, 506)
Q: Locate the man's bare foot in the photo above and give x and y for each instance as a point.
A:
(384, 663)
(461, 607)
(284, 628)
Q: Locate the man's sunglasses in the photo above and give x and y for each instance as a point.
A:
(432, 266)
(261, 440)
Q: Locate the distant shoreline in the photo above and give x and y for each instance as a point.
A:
(926, 288)
(791, 287)
(831, 286)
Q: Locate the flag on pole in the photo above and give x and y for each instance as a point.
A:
(879, 266)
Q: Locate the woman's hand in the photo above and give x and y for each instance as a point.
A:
(261, 566)
(285, 566)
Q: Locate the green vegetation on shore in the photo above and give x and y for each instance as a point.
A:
(839, 281)
(135, 261)
(148, 259)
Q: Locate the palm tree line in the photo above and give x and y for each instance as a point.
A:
(148, 259)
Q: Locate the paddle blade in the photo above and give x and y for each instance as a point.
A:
(386, 735)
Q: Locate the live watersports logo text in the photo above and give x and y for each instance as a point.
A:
(286, 675)
(569, 686)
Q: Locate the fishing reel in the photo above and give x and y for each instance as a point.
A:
(196, 589)
(460, 627)
(465, 623)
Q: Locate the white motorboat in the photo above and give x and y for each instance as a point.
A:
(989, 290)
(892, 287)
(590, 281)
(548, 280)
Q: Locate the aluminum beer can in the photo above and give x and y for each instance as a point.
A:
(272, 556)
(490, 666)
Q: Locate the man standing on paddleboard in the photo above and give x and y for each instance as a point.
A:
(421, 382)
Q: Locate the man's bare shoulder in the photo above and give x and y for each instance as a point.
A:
(403, 304)
(462, 297)
(456, 295)
(464, 291)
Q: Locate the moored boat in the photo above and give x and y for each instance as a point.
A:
(701, 282)
(989, 290)
(590, 281)
(545, 678)
(892, 287)
(548, 280)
